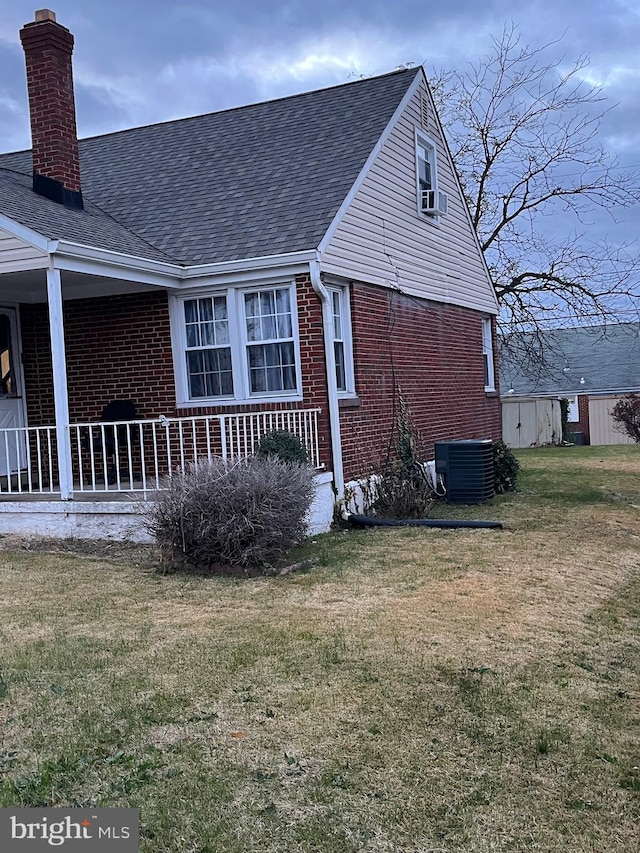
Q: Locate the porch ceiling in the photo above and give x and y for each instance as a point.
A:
(31, 286)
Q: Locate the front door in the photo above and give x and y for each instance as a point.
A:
(12, 444)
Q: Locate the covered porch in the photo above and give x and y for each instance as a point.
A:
(74, 340)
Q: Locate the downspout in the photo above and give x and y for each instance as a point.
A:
(332, 385)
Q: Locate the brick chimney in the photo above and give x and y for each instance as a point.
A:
(56, 168)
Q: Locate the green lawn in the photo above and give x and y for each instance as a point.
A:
(412, 691)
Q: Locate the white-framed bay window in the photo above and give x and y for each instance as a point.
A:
(342, 343)
(236, 344)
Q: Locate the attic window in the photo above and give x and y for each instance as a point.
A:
(431, 202)
(426, 166)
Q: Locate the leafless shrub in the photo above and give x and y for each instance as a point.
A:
(402, 491)
(245, 514)
(401, 488)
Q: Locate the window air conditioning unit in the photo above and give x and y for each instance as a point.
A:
(434, 202)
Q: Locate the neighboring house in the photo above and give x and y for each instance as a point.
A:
(292, 263)
(591, 366)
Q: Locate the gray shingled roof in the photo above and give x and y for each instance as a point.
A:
(607, 358)
(89, 226)
(258, 180)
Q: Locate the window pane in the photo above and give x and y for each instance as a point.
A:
(207, 335)
(341, 380)
(283, 303)
(267, 302)
(210, 373)
(257, 371)
(337, 322)
(271, 355)
(196, 374)
(205, 308)
(274, 379)
(253, 328)
(268, 315)
(191, 311)
(252, 304)
(272, 368)
(222, 332)
(424, 173)
(284, 326)
(268, 328)
(196, 386)
(191, 323)
(289, 377)
(193, 335)
(256, 357)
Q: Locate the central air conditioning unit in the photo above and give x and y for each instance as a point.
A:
(467, 469)
(434, 203)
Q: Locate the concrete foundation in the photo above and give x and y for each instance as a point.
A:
(119, 520)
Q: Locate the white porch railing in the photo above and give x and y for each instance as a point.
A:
(137, 456)
(241, 434)
(28, 461)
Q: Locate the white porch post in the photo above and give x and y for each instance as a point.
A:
(60, 393)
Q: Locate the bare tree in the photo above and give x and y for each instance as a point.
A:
(524, 134)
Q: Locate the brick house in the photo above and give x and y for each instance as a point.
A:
(291, 263)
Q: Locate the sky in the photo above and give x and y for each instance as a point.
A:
(139, 62)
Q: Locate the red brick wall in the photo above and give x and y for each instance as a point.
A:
(433, 352)
(119, 347)
(583, 413)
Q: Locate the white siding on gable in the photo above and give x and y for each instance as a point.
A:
(17, 254)
(382, 238)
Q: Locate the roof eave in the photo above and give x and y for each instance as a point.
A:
(559, 395)
(33, 238)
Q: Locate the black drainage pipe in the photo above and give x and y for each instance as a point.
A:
(447, 523)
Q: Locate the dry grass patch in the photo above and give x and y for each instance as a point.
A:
(415, 690)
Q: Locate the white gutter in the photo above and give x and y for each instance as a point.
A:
(332, 385)
(246, 264)
(182, 271)
(67, 248)
(78, 257)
